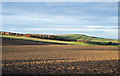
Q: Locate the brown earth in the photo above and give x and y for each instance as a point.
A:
(59, 59)
(7, 41)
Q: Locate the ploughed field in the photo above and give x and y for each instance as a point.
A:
(7, 41)
(59, 59)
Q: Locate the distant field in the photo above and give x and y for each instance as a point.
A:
(44, 40)
(7, 41)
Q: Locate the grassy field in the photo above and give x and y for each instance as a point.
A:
(75, 37)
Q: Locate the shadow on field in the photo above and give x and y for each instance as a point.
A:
(83, 67)
(8, 41)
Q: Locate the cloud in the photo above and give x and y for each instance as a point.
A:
(58, 29)
(95, 26)
(113, 19)
(7, 14)
(36, 13)
(103, 27)
(45, 19)
(103, 6)
(65, 17)
(61, 1)
(11, 29)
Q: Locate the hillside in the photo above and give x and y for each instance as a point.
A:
(36, 41)
(75, 37)
(66, 39)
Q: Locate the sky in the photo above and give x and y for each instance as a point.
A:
(98, 19)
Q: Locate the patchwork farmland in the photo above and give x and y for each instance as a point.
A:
(66, 38)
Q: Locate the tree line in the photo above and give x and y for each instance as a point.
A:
(30, 35)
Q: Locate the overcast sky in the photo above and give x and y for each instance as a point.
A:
(89, 18)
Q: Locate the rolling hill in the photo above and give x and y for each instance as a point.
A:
(75, 37)
(67, 39)
(35, 41)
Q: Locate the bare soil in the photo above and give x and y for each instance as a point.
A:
(7, 41)
(59, 59)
